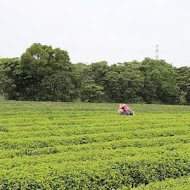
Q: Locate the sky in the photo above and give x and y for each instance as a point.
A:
(98, 30)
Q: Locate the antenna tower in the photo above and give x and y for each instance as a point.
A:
(157, 51)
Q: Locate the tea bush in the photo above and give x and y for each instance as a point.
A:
(46, 145)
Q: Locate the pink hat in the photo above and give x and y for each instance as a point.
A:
(122, 106)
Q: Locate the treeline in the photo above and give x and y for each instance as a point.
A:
(46, 74)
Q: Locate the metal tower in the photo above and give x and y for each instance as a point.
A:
(157, 51)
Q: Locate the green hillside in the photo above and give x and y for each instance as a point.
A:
(46, 145)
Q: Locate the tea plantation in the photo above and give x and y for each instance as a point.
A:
(46, 145)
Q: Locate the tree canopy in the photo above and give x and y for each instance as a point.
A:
(43, 73)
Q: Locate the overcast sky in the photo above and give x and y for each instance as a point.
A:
(95, 30)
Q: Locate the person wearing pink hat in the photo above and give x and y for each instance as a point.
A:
(124, 109)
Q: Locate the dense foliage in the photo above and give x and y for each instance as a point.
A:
(44, 73)
(182, 183)
(46, 145)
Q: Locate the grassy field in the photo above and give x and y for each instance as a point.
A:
(46, 145)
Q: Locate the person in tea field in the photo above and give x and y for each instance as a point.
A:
(124, 109)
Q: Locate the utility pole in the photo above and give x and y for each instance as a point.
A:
(157, 51)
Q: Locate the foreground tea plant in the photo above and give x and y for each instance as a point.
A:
(47, 145)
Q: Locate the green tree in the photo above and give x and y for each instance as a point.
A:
(45, 73)
(184, 84)
(123, 82)
(86, 86)
(9, 77)
(160, 82)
